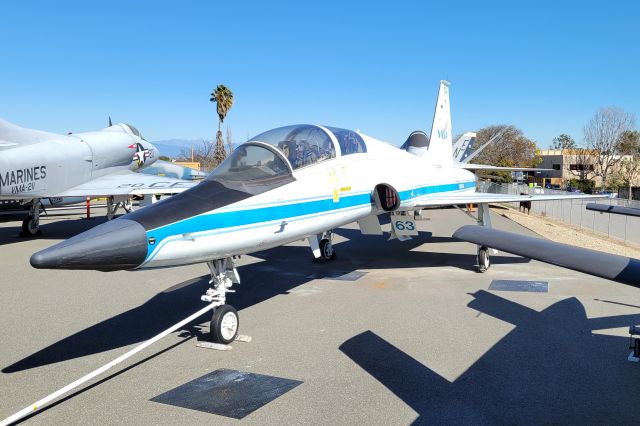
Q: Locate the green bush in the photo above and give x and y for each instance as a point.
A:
(587, 186)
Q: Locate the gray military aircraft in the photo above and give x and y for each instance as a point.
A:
(37, 165)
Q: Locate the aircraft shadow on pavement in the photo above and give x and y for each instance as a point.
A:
(550, 369)
(56, 230)
(285, 268)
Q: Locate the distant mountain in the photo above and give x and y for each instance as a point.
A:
(173, 147)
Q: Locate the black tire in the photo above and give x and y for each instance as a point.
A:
(223, 317)
(326, 250)
(484, 261)
(28, 227)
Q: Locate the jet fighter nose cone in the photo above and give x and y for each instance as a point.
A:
(111, 246)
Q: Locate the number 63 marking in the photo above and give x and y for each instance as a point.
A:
(402, 225)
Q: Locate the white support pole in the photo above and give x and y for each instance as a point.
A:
(39, 404)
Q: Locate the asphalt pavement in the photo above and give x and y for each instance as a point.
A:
(388, 333)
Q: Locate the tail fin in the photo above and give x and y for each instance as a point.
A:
(440, 141)
(463, 146)
(12, 135)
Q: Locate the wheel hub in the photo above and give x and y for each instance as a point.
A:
(228, 326)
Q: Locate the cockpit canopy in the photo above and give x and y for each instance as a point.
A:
(251, 162)
(262, 157)
(350, 142)
(132, 129)
(302, 145)
(306, 144)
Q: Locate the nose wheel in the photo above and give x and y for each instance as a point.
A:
(224, 324)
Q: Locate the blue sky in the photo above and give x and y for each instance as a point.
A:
(544, 66)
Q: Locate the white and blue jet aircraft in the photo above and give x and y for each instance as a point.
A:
(287, 184)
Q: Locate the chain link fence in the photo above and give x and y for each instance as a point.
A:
(574, 212)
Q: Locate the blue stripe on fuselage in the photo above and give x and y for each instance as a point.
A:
(268, 213)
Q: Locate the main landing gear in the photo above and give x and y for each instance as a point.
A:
(322, 247)
(114, 202)
(484, 219)
(225, 321)
(484, 261)
(326, 250)
(31, 225)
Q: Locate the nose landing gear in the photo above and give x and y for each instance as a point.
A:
(225, 321)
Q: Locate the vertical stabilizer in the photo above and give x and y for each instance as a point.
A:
(464, 146)
(440, 141)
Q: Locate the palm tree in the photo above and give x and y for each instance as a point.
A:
(223, 97)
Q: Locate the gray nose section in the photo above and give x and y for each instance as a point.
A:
(115, 245)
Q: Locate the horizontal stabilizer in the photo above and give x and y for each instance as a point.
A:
(616, 268)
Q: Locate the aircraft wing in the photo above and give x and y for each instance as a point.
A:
(483, 198)
(605, 208)
(485, 167)
(610, 266)
(128, 183)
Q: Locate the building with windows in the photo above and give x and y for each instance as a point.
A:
(567, 164)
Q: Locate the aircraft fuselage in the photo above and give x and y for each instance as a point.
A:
(49, 167)
(213, 221)
(325, 196)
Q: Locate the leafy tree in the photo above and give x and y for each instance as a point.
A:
(630, 164)
(510, 149)
(165, 158)
(630, 142)
(223, 97)
(563, 141)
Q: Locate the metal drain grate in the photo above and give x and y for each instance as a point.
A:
(229, 393)
(515, 285)
(338, 275)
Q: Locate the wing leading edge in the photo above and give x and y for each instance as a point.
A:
(485, 167)
(483, 198)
